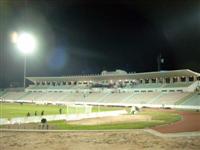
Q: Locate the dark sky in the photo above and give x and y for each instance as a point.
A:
(88, 36)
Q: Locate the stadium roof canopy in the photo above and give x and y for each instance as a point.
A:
(132, 76)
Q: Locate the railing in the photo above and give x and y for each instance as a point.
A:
(71, 117)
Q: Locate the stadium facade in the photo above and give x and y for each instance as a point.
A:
(153, 89)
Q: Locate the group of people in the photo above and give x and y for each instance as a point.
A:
(42, 112)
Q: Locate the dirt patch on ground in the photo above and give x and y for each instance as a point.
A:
(110, 120)
(190, 122)
(118, 140)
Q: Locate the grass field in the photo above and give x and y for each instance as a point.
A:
(158, 118)
(11, 110)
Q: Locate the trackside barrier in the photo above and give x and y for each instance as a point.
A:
(106, 104)
(36, 119)
(4, 121)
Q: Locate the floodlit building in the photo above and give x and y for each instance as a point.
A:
(151, 89)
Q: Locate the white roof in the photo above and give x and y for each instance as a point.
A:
(144, 75)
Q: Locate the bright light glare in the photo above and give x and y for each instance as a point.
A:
(26, 43)
(14, 37)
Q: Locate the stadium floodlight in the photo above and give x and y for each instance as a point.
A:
(26, 44)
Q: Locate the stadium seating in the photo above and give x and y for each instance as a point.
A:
(169, 87)
(167, 98)
(12, 95)
(170, 98)
(177, 84)
(2, 93)
(142, 98)
(92, 97)
(149, 85)
(108, 95)
(115, 97)
(33, 96)
(193, 100)
(72, 97)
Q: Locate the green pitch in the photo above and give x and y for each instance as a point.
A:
(158, 118)
(11, 110)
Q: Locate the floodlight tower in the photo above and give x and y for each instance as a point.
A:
(160, 61)
(26, 44)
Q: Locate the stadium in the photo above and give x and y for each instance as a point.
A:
(173, 89)
(167, 102)
(111, 75)
(177, 89)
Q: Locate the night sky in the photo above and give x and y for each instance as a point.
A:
(88, 36)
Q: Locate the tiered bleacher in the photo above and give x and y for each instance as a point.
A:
(193, 100)
(178, 87)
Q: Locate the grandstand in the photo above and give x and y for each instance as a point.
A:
(177, 87)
